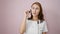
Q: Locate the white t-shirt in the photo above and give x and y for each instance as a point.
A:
(33, 28)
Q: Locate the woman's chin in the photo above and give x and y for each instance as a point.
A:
(34, 15)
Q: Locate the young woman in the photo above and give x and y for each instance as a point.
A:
(34, 22)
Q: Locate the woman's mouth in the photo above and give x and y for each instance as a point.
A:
(34, 13)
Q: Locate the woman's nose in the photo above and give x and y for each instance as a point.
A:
(35, 10)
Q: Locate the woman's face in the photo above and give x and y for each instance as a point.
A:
(35, 10)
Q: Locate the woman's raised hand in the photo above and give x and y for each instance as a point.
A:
(27, 14)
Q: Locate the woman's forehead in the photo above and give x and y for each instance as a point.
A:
(35, 5)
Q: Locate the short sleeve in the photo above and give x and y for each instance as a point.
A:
(45, 29)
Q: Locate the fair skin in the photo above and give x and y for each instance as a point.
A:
(35, 11)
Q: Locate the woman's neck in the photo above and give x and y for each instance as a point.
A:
(35, 18)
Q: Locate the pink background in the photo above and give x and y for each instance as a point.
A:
(12, 12)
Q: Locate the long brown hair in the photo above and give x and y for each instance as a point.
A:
(40, 15)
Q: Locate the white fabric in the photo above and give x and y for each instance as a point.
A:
(33, 28)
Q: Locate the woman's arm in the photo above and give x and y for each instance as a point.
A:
(23, 24)
(45, 29)
(44, 33)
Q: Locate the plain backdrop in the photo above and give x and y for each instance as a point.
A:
(12, 12)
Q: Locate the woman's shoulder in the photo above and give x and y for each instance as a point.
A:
(44, 22)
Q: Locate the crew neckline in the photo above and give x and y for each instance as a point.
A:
(35, 20)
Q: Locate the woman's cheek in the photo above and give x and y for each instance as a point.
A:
(37, 12)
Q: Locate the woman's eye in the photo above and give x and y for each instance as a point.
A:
(33, 8)
(37, 8)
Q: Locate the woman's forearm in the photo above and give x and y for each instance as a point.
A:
(23, 25)
(44, 33)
